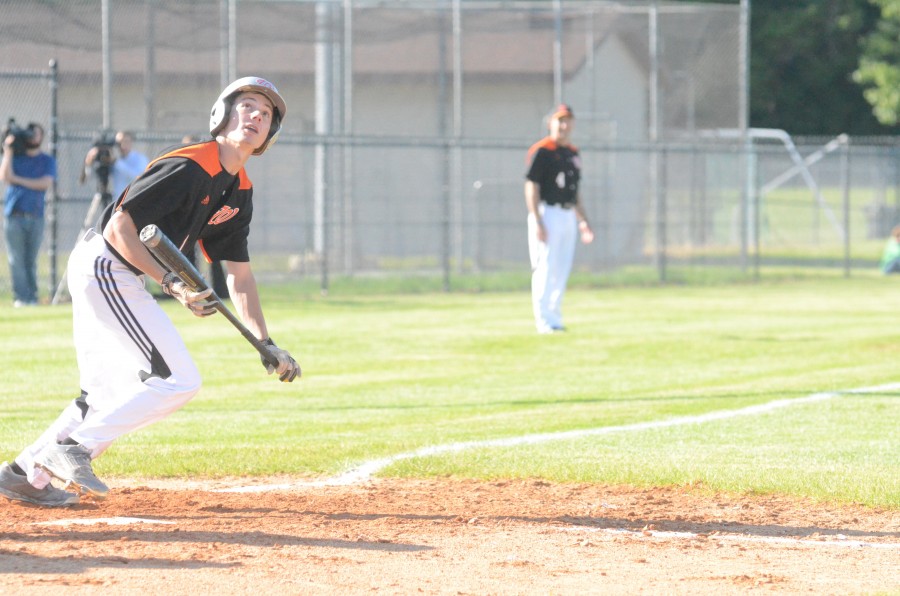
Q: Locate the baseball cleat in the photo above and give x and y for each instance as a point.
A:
(16, 487)
(72, 465)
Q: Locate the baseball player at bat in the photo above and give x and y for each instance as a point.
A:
(134, 367)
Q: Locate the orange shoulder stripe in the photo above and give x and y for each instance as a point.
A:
(206, 155)
(545, 143)
(244, 180)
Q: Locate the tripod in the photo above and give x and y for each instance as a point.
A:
(102, 198)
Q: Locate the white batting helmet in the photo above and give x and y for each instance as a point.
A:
(218, 117)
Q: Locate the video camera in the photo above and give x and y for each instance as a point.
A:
(104, 142)
(23, 136)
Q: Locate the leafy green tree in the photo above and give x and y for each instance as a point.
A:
(803, 56)
(879, 64)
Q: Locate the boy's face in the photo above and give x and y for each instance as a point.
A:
(561, 129)
(250, 120)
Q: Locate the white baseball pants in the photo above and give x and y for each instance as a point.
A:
(132, 362)
(551, 263)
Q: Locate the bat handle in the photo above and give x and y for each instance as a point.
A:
(254, 341)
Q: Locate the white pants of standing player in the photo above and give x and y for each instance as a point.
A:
(551, 263)
(117, 325)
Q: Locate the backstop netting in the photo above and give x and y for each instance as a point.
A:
(408, 123)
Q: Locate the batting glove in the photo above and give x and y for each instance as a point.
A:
(196, 301)
(287, 368)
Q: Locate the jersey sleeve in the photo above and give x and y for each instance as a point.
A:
(538, 166)
(161, 190)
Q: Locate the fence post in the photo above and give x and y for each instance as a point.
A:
(845, 188)
(324, 93)
(661, 214)
(53, 214)
(756, 197)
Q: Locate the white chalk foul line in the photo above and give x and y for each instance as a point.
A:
(111, 521)
(839, 541)
(369, 469)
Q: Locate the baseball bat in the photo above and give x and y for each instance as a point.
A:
(174, 260)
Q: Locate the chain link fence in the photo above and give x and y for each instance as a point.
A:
(408, 123)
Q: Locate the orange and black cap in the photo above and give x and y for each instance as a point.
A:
(562, 111)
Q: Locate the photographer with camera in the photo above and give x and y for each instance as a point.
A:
(121, 169)
(28, 173)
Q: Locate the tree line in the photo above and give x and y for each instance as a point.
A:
(825, 67)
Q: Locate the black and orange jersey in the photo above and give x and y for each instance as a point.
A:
(556, 169)
(189, 196)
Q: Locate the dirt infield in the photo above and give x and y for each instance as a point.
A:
(445, 537)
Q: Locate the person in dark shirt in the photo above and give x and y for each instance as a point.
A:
(134, 367)
(555, 217)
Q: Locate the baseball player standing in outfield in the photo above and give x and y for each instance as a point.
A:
(555, 217)
(134, 367)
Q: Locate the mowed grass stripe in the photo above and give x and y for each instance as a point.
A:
(386, 374)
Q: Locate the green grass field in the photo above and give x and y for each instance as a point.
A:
(388, 373)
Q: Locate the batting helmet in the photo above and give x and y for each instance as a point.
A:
(218, 117)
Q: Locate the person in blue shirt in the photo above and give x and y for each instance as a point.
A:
(28, 175)
(129, 165)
